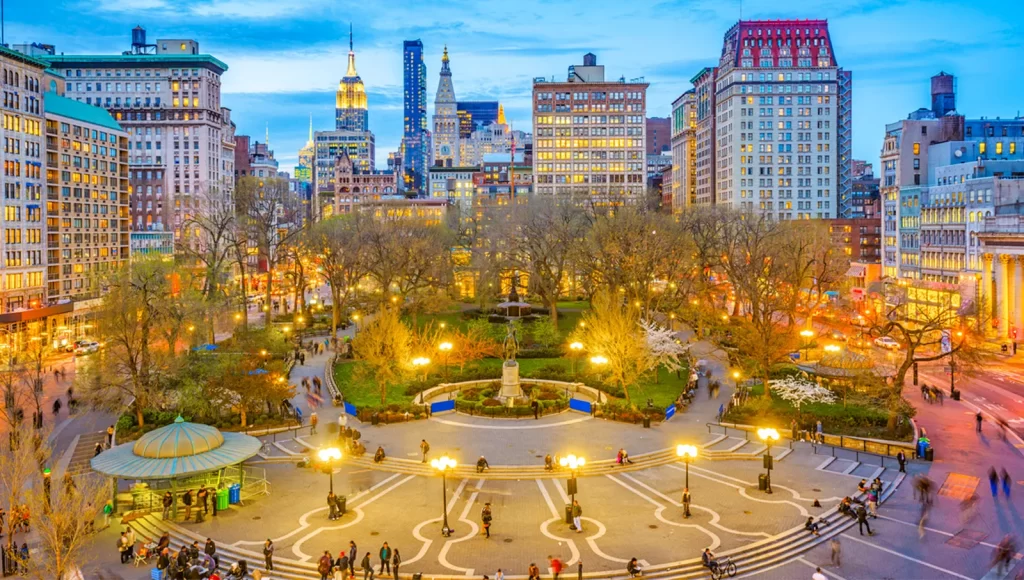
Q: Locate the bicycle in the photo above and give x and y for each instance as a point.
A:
(725, 566)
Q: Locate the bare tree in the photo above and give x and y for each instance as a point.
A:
(207, 241)
(339, 248)
(547, 232)
(20, 462)
(815, 265)
(409, 261)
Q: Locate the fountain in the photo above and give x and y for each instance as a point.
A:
(514, 307)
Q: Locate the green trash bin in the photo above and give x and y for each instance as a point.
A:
(222, 499)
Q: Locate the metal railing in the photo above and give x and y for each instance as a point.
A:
(746, 430)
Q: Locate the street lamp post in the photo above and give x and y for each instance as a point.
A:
(769, 436)
(688, 453)
(807, 334)
(329, 455)
(599, 361)
(445, 347)
(576, 347)
(574, 464)
(444, 464)
(421, 362)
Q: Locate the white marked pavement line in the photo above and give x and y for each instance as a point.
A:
(511, 427)
(878, 471)
(303, 557)
(544, 525)
(713, 441)
(935, 530)
(442, 557)
(304, 518)
(849, 470)
(784, 453)
(743, 490)
(715, 517)
(823, 570)
(285, 449)
(304, 443)
(601, 530)
(715, 540)
(416, 532)
(825, 464)
(905, 557)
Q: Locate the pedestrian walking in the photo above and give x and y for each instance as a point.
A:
(385, 559)
(367, 567)
(535, 406)
(922, 522)
(873, 502)
(1006, 482)
(1003, 554)
(342, 564)
(313, 420)
(686, 502)
(168, 502)
(333, 514)
(353, 553)
(98, 450)
(977, 421)
(820, 433)
(555, 565)
(56, 407)
(122, 547)
(268, 554)
(110, 436)
(862, 521)
(424, 448)
(902, 458)
(486, 518)
(837, 551)
(324, 565)
(203, 495)
(187, 501)
(533, 572)
(993, 481)
(577, 514)
(396, 561)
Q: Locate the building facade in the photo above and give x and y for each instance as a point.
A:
(475, 115)
(352, 187)
(358, 146)
(456, 184)
(167, 97)
(659, 135)
(446, 118)
(684, 153)
(780, 132)
(351, 112)
(87, 198)
(415, 137)
(705, 154)
(589, 136)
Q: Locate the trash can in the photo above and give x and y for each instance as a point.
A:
(762, 482)
(222, 499)
(375, 419)
(235, 494)
(568, 513)
(647, 421)
(341, 502)
(929, 453)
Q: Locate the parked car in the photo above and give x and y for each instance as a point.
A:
(887, 343)
(838, 336)
(87, 347)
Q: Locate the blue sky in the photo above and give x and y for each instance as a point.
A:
(285, 58)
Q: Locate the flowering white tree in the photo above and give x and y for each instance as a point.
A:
(663, 347)
(799, 391)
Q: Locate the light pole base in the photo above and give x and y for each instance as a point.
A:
(446, 531)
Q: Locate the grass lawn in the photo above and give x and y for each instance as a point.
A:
(862, 416)
(573, 304)
(364, 393)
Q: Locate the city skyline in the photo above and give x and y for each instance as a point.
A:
(889, 72)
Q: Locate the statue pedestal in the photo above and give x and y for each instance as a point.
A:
(510, 387)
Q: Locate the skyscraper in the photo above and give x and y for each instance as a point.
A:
(350, 108)
(446, 118)
(773, 122)
(415, 141)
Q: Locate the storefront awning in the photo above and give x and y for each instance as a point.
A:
(35, 314)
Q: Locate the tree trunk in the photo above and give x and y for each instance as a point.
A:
(625, 392)
(138, 414)
(553, 307)
(767, 391)
(242, 415)
(335, 310)
(269, 295)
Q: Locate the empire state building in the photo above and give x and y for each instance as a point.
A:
(350, 102)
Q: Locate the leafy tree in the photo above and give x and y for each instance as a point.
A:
(543, 333)
(385, 348)
(664, 349)
(612, 329)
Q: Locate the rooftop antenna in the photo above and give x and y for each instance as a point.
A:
(350, 49)
(266, 139)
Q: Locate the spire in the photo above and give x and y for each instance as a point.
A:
(266, 139)
(444, 61)
(501, 114)
(311, 128)
(351, 72)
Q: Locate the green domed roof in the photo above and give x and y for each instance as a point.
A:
(179, 439)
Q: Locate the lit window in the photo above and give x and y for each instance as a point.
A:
(999, 148)
(917, 148)
(981, 147)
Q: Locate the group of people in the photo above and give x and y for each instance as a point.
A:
(344, 566)
(190, 562)
(200, 498)
(932, 394)
(19, 518)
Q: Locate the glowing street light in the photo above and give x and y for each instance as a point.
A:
(445, 347)
(833, 348)
(688, 453)
(769, 436)
(807, 334)
(444, 464)
(576, 348)
(574, 464)
(328, 456)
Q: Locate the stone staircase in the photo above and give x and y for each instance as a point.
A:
(723, 447)
(749, 559)
(85, 450)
